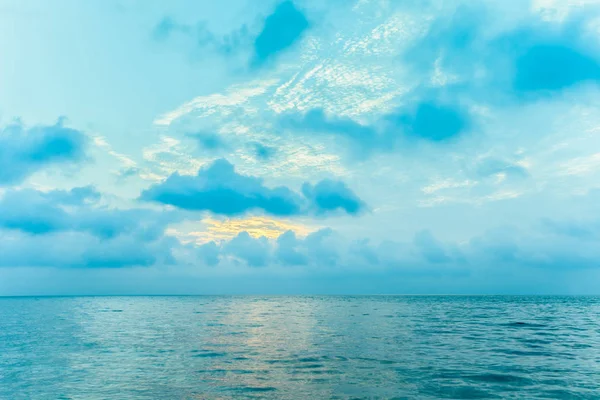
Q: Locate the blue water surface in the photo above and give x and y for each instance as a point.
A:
(300, 347)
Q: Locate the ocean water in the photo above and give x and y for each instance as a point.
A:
(304, 347)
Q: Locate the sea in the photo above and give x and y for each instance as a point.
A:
(300, 347)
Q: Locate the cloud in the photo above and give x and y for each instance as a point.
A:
(287, 251)
(450, 44)
(198, 35)
(263, 152)
(77, 210)
(490, 166)
(256, 226)
(550, 246)
(209, 253)
(128, 251)
(316, 120)
(430, 121)
(209, 141)
(82, 250)
(235, 97)
(254, 251)
(281, 30)
(26, 151)
(128, 167)
(575, 229)
(326, 248)
(323, 247)
(468, 61)
(555, 246)
(552, 67)
(547, 248)
(328, 196)
(167, 27)
(521, 56)
(433, 122)
(36, 212)
(70, 228)
(219, 189)
(431, 249)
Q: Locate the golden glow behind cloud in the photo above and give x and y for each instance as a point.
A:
(218, 230)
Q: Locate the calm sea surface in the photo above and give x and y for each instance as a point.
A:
(300, 347)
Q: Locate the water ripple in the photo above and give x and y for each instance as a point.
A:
(313, 347)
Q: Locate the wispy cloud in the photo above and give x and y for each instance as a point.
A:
(203, 106)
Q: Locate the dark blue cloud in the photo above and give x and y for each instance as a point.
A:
(71, 228)
(328, 196)
(362, 140)
(35, 217)
(281, 30)
(534, 58)
(551, 67)
(315, 120)
(433, 121)
(209, 141)
(40, 213)
(263, 152)
(428, 121)
(25, 151)
(221, 190)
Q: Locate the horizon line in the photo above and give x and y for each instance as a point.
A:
(307, 295)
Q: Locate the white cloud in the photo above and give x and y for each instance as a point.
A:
(169, 156)
(202, 106)
(447, 184)
(582, 165)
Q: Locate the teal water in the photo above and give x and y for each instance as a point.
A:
(315, 347)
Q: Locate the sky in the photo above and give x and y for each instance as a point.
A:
(299, 147)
